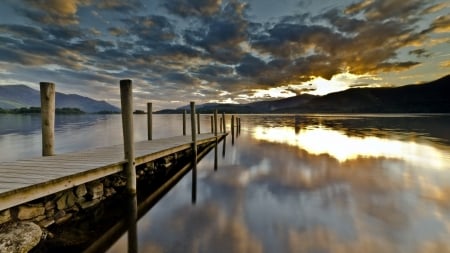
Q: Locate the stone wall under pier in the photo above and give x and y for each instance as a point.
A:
(54, 212)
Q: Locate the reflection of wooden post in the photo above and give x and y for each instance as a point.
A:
(48, 117)
(194, 149)
(184, 122)
(232, 129)
(215, 133)
(212, 124)
(149, 121)
(224, 145)
(224, 128)
(198, 123)
(239, 126)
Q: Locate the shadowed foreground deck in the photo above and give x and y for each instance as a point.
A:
(25, 180)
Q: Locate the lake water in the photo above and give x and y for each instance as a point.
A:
(305, 183)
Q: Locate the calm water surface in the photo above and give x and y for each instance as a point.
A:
(309, 183)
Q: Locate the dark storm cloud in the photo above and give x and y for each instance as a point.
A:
(382, 10)
(119, 5)
(213, 70)
(64, 33)
(150, 29)
(222, 33)
(178, 77)
(116, 31)
(439, 25)
(217, 43)
(198, 8)
(53, 11)
(420, 52)
(22, 31)
(346, 42)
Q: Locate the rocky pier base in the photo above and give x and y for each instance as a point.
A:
(25, 226)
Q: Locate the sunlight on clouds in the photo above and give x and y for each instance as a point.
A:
(321, 140)
(321, 86)
(278, 92)
(224, 93)
(445, 64)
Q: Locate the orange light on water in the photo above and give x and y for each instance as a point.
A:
(322, 140)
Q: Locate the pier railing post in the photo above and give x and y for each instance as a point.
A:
(194, 149)
(149, 122)
(126, 100)
(212, 124)
(48, 117)
(184, 122)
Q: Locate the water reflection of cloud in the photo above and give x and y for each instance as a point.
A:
(321, 140)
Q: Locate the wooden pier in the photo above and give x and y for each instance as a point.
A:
(25, 180)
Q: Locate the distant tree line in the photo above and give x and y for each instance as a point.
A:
(29, 110)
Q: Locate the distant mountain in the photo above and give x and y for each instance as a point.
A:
(17, 96)
(255, 107)
(432, 97)
(282, 104)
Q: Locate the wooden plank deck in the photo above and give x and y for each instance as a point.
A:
(28, 179)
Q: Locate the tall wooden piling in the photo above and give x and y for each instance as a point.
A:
(212, 124)
(126, 100)
(48, 117)
(220, 125)
(194, 149)
(184, 122)
(149, 122)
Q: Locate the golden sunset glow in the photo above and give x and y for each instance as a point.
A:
(321, 140)
(339, 82)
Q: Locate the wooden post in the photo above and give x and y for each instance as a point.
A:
(232, 129)
(126, 100)
(184, 122)
(215, 122)
(198, 123)
(220, 125)
(48, 117)
(149, 122)
(212, 125)
(194, 149)
(224, 128)
(215, 133)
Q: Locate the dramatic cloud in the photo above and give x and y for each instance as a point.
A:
(54, 11)
(199, 8)
(223, 47)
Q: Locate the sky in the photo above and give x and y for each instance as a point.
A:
(176, 51)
